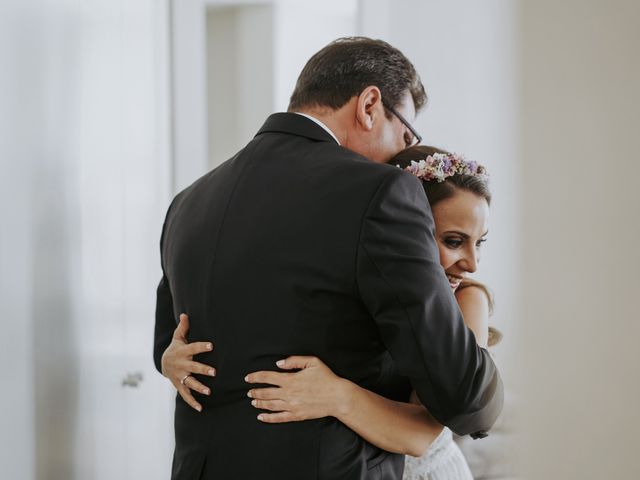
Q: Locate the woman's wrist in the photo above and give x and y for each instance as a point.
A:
(343, 395)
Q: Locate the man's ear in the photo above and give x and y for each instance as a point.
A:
(369, 107)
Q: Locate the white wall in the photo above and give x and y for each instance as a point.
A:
(188, 91)
(581, 73)
(16, 237)
(239, 75)
(86, 180)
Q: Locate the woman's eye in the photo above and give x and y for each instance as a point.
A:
(480, 242)
(453, 242)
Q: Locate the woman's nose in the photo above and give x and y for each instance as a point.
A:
(470, 261)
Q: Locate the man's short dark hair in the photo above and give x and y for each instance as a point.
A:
(345, 67)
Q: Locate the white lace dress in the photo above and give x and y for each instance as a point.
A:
(443, 461)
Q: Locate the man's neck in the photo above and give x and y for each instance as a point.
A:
(332, 119)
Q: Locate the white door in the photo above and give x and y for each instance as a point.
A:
(86, 181)
(125, 424)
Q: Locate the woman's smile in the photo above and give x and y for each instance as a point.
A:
(454, 280)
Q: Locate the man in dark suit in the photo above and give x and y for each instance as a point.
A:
(306, 243)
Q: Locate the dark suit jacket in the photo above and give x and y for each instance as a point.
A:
(297, 245)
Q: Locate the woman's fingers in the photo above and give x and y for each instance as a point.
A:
(297, 362)
(185, 393)
(265, 393)
(271, 378)
(177, 363)
(182, 329)
(193, 384)
(281, 417)
(273, 405)
(184, 389)
(197, 347)
(201, 368)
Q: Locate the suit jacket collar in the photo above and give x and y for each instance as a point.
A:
(295, 124)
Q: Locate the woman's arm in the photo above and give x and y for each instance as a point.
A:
(474, 305)
(397, 427)
(316, 392)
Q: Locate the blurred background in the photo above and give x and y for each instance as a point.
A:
(109, 107)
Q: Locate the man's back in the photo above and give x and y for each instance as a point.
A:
(261, 253)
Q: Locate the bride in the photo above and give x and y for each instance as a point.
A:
(459, 196)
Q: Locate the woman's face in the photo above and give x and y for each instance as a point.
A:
(461, 227)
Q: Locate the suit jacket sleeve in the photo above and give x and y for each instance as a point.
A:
(165, 320)
(404, 287)
(165, 323)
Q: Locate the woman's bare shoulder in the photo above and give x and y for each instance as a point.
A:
(472, 292)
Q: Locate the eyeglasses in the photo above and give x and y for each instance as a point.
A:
(410, 142)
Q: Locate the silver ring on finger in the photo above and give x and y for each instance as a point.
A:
(184, 379)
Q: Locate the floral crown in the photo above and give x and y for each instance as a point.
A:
(439, 166)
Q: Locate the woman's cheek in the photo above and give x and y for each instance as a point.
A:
(446, 259)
